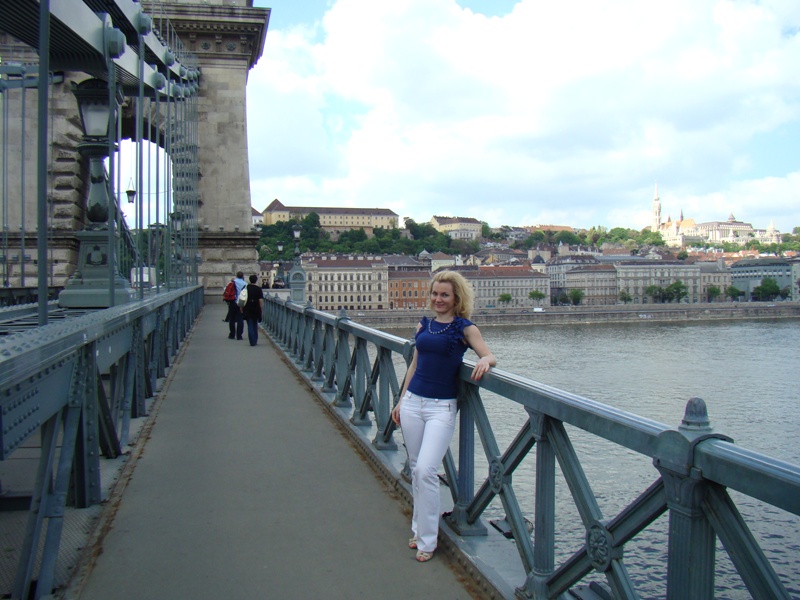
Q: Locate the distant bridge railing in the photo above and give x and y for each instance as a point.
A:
(694, 468)
(77, 384)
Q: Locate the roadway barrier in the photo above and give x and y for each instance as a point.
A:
(693, 468)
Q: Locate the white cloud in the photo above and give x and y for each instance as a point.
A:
(563, 113)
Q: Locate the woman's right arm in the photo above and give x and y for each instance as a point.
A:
(409, 374)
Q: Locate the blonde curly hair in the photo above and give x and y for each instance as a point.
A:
(462, 290)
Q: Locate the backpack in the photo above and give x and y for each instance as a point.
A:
(230, 292)
(243, 297)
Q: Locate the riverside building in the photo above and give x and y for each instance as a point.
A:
(352, 283)
(489, 283)
(748, 274)
(409, 289)
(598, 283)
(635, 277)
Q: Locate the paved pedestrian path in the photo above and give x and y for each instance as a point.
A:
(246, 488)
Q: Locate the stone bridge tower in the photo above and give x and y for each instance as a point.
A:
(227, 37)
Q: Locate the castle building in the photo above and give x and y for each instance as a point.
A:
(684, 232)
(333, 220)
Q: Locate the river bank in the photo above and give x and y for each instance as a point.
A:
(560, 315)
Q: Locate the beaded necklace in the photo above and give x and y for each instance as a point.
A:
(432, 332)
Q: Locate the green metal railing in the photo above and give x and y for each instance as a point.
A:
(693, 468)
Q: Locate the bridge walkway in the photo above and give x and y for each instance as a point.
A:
(244, 487)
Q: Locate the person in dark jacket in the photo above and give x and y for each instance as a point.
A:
(252, 311)
(235, 321)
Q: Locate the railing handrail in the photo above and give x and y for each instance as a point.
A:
(694, 465)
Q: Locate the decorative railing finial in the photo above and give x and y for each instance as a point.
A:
(696, 416)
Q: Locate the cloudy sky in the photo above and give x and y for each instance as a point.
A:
(531, 112)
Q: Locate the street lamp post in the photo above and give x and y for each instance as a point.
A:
(296, 234)
(89, 287)
(279, 267)
(297, 275)
(156, 251)
(177, 250)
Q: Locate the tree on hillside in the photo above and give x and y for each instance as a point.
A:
(567, 238)
(353, 236)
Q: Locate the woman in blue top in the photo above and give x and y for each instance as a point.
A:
(427, 407)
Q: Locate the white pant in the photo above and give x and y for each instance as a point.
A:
(427, 426)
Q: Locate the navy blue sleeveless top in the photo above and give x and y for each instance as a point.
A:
(440, 350)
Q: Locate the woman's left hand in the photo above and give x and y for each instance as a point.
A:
(481, 368)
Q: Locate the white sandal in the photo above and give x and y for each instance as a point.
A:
(412, 543)
(423, 556)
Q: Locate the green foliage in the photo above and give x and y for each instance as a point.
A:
(713, 293)
(656, 293)
(504, 298)
(625, 297)
(675, 291)
(575, 296)
(425, 237)
(733, 292)
(385, 241)
(567, 238)
(537, 295)
(768, 290)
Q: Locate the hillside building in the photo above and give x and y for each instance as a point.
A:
(458, 228)
(683, 232)
(333, 220)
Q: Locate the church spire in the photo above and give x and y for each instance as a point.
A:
(656, 224)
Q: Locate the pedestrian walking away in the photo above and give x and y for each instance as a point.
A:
(252, 310)
(228, 296)
(427, 408)
(235, 317)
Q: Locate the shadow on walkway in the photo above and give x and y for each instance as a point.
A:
(244, 487)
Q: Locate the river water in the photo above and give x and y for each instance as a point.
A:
(747, 372)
